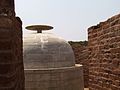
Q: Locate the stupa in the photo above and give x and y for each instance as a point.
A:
(49, 62)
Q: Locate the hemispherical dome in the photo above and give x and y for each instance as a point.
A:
(45, 50)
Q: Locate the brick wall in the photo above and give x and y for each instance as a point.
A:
(104, 56)
(11, 53)
(81, 55)
(11, 60)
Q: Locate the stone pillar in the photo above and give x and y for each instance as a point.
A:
(11, 56)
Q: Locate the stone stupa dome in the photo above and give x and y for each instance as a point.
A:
(46, 50)
(49, 62)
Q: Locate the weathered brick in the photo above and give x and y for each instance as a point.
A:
(104, 55)
(81, 57)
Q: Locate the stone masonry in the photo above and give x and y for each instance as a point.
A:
(50, 64)
(11, 59)
(104, 57)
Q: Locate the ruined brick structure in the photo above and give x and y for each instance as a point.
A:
(81, 57)
(11, 59)
(104, 57)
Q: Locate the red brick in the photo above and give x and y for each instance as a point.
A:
(104, 55)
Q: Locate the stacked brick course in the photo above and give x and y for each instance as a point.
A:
(11, 61)
(11, 56)
(81, 57)
(104, 56)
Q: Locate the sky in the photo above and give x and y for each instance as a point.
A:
(70, 18)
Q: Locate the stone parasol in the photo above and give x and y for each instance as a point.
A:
(39, 28)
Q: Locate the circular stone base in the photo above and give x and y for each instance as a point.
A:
(67, 78)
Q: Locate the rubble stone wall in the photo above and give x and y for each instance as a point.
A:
(104, 56)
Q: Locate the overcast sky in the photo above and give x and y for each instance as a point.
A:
(70, 18)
